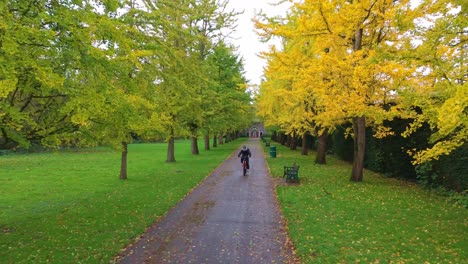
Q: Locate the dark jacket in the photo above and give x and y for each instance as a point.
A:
(244, 153)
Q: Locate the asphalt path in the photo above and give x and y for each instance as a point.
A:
(228, 218)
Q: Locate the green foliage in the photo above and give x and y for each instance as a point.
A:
(93, 72)
(425, 173)
(341, 145)
(448, 172)
(70, 207)
(381, 220)
(453, 170)
(460, 198)
(388, 156)
(31, 76)
(229, 102)
(441, 89)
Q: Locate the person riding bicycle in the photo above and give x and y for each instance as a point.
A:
(245, 154)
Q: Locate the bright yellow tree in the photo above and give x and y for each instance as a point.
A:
(352, 72)
(438, 50)
(286, 86)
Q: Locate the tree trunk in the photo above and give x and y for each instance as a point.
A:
(359, 130)
(215, 140)
(321, 157)
(123, 162)
(194, 141)
(288, 141)
(221, 138)
(284, 138)
(207, 141)
(293, 143)
(304, 150)
(170, 148)
(228, 136)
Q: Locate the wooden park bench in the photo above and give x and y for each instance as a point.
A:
(291, 173)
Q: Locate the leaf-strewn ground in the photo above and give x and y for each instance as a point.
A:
(332, 220)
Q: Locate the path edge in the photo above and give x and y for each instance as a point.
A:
(120, 254)
(289, 244)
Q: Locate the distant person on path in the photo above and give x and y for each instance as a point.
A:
(245, 154)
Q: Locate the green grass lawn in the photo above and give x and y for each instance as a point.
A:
(70, 206)
(332, 220)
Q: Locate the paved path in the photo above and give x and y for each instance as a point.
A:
(229, 218)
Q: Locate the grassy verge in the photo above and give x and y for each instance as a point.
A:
(70, 207)
(332, 220)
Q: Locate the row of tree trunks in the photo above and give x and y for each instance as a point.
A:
(194, 141)
(229, 137)
(359, 129)
(321, 151)
(170, 150)
(292, 141)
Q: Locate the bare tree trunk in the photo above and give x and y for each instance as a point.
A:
(221, 138)
(284, 139)
(321, 157)
(170, 148)
(228, 136)
(305, 150)
(123, 162)
(359, 130)
(194, 141)
(215, 140)
(207, 141)
(288, 140)
(293, 142)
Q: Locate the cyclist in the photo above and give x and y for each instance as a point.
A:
(245, 154)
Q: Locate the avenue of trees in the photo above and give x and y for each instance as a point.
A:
(80, 73)
(361, 64)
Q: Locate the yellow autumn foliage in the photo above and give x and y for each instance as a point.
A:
(340, 60)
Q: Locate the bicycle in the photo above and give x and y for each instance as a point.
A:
(244, 166)
(244, 154)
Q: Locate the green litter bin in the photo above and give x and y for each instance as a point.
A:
(273, 151)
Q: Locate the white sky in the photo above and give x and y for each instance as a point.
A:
(245, 38)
